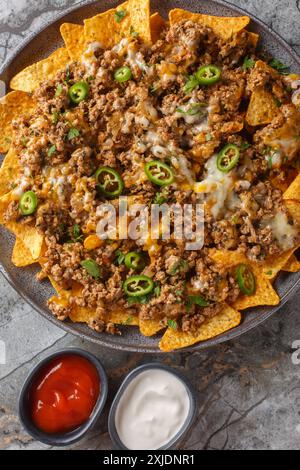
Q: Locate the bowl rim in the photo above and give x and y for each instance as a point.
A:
(68, 327)
(116, 440)
(61, 440)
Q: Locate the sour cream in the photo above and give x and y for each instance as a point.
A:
(152, 410)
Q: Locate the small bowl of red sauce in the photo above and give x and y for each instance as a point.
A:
(63, 397)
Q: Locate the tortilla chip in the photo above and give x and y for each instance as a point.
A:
(12, 106)
(222, 26)
(150, 327)
(292, 266)
(104, 28)
(262, 108)
(21, 256)
(157, 24)
(8, 171)
(176, 339)
(274, 265)
(120, 317)
(293, 192)
(140, 18)
(264, 295)
(74, 38)
(28, 234)
(30, 78)
(82, 314)
(286, 137)
(293, 208)
(253, 38)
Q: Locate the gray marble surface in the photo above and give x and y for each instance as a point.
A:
(249, 390)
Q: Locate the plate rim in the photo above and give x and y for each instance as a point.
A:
(69, 327)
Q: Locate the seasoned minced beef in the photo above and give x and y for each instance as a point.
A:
(153, 116)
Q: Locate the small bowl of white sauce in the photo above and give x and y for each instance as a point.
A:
(153, 409)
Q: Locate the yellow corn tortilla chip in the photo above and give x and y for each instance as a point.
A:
(74, 38)
(13, 106)
(157, 24)
(29, 79)
(8, 171)
(104, 28)
(285, 138)
(28, 234)
(176, 339)
(82, 314)
(292, 266)
(262, 108)
(293, 191)
(150, 327)
(253, 38)
(21, 256)
(273, 266)
(140, 18)
(264, 295)
(293, 208)
(222, 26)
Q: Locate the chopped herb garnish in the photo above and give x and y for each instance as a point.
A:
(68, 74)
(59, 90)
(191, 84)
(270, 161)
(172, 324)
(91, 267)
(244, 145)
(24, 141)
(161, 197)
(51, 150)
(55, 117)
(77, 234)
(208, 137)
(277, 102)
(120, 257)
(196, 108)
(180, 266)
(248, 63)
(269, 273)
(128, 321)
(120, 15)
(279, 66)
(195, 300)
(133, 33)
(73, 133)
(143, 299)
(157, 291)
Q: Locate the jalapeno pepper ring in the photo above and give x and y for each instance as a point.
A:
(28, 203)
(136, 286)
(110, 182)
(79, 92)
(208, 75)
(123, 74)
(228, 158)
(159, 173)
(246, 280)
(134, 261)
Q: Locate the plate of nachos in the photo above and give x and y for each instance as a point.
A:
(156, 105)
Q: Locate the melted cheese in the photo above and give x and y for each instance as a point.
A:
(284, 233)
(216, 187)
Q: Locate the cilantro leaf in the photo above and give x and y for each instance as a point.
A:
(59, 90)
(120, 257)
(196, 300)
(51, 150)
(73, 133)
(191, 84)
(248, 63)
(180, 266)
(120, 15)
(279, 66)
(133, 33)
(172, 324)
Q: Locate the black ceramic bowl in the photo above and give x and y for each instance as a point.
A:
(118, 444)
(73, 436)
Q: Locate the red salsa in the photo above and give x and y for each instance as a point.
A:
(64, 394)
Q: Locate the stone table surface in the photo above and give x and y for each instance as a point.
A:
(249, 389)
